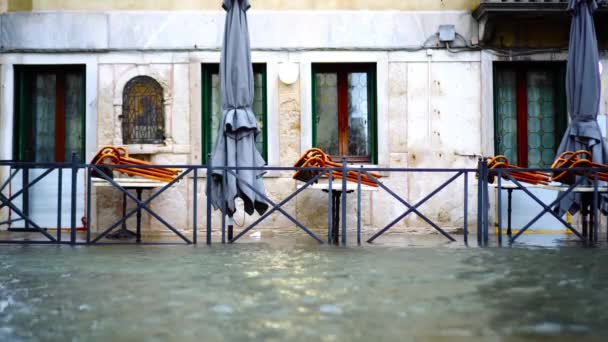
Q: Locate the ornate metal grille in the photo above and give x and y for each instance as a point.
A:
(142, 112)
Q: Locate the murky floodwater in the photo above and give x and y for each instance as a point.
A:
(264, 292)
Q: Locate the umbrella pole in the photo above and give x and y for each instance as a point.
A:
(230, 227)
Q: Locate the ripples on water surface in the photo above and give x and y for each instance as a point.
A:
(265, 292)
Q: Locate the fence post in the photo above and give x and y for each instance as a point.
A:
(466, 208)
(344, 173)
(73, 199)
(479, 201)
(208, 192)
(89, 220)
(194, 205)
(59, 199)
(596, 212)
(359, 206)
(499, 205)
(330, 211)
(25, 181)
(486, 202)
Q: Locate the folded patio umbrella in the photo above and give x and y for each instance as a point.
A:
(238, 129)
(583, 90)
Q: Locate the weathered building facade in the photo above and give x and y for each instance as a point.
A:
(413, 100)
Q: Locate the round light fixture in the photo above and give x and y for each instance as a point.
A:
(601, 68)
(288, 72)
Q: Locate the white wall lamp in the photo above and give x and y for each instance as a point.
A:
(288, 72)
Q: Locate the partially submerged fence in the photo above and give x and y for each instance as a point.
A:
(337, 192)
(592, 199)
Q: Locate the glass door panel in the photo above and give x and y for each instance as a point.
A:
(506, 108)
(43, 99)
(541, 118)
(358, 113)
(327, 112)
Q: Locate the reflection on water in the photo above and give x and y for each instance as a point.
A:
(265, 292)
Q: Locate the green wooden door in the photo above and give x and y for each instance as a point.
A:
(49, 127)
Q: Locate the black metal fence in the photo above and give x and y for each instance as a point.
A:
(587, 183)
(336, 201)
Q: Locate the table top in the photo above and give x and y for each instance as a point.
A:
(129, 183)
(337, 186)
(551, 186)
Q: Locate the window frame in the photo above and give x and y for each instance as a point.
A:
(558, 68)
(124, 130)
(209, 69)
(23, 76)
(342, 69)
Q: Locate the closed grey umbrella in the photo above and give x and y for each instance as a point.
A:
(238, 129)
(583, 89)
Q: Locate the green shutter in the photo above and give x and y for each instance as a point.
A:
(83, 111)
(206, 113)
(19, 114)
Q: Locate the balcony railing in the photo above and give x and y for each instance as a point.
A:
(501, 12)
(487, 7)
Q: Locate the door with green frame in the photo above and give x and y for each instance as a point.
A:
(529, 122)
(344, 110)
(529, 111)
(49, 126)
(212, 107)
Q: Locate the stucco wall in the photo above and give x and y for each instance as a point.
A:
(45, 5)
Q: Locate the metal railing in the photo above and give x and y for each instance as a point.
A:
(276, 206)
(562, 3)
(334, 228)
(585, 177)
(8, 201)
(411, 209)
(524, 1)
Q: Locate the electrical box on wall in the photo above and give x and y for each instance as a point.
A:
(447, 33)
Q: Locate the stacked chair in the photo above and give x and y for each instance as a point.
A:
(117, 155)
(315, 157)
(531, 177)
(576, 160)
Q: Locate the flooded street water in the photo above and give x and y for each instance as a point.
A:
(267, 292)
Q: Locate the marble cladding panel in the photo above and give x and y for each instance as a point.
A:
(443, 139)
(166, 30)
